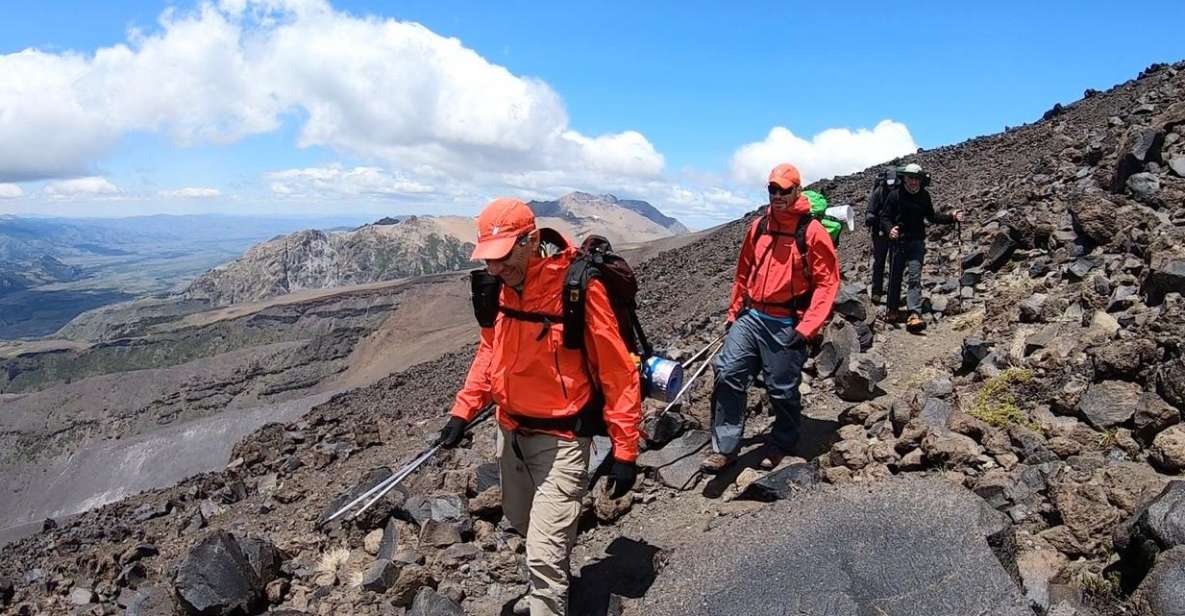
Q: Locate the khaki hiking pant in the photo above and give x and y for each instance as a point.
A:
(544, 479)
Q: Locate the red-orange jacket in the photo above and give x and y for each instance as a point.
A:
(770, 271)
(530, 373)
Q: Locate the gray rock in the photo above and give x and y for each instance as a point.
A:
(153, 601)
(1032, 310)
(971, 276)
(864, 334)
(1163, 591)
(1168, 449)
(390, 541)
(1178, 166)
(265, 559)
(216, 577)
(677, 463)
(882, 538)
(1000, 252)
(81, 596)
(858, 379)
(1152, 416)
(950, 449)
(459, 554)
(1143, 185)
(488, 475)
(1140, 145)
(852, 302)
(840, 342)
(1122, 298)
(440, 534)
(1165, 275)
(974, 351)
(1109, 403)
(783, 483)
(380, 576)
(1157, 526)
(936, 414)
(428, 602)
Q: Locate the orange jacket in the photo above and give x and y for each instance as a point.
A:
(770, 272)
(527, 371)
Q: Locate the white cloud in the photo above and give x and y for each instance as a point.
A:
(372, 88)
(337, 181)
(190, 192)
(11, 191)
(835, 151)
(80, 188)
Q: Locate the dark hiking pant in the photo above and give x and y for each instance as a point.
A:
(755, 343)
(907, 255)
(880, 253)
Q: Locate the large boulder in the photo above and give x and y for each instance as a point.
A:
(428, 602)
(1109, 403)
(677, 464)
(1000, 252)
(849, 550)
(216, 577)
(1168, 449)
(1094, 218)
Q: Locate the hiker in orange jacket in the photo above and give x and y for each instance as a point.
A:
(781, 298)
(545, 394)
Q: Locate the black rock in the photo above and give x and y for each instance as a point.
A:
(864, 334)
(662, 428)
(975, 259)
(1164, 276)
(428, 602)
(390, 540)
(1140, 146)
(974, 351)
(148, 511)
(1032, 310)
(370, 480)
(840, 342)
(1163, 591)
(677, 464)
(858, 378)
(1170, 382)
(380, 576)
(217, 578)
(265, 558)
(971, 276)
(1000, 252)
(1158, 526)
(852, 303)
(48, 525)
(153, 601)
(1080, 268)
(488, 475)
(7, 591)
(783, 483)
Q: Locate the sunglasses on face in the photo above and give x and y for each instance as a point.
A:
(522, 240)
(778, 191)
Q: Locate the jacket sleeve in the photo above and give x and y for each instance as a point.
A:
(744, 268)
(935, 217)
(614, 368)
(475, 393)
(825, 275)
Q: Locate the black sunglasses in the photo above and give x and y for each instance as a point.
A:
(778, 191)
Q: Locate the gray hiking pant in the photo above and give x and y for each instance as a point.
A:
(757, 343)
(880, 253)
(907, 255)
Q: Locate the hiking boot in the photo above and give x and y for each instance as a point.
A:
(771, 457)
(894, 316)
(716, 462)
(915, 324)
(878, 297)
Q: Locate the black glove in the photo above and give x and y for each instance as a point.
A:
(452, 432)
(622, 478)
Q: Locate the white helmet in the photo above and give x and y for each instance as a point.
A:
(912, 169)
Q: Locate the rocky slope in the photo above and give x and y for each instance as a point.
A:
(1049, 384)
(408, 246)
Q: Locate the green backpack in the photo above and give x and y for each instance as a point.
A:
(833, 226)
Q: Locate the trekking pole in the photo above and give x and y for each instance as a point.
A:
(381, 489)
(691, 360)
(686, 386)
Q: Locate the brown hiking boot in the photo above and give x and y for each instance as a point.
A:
(716, 462)
(915, 324)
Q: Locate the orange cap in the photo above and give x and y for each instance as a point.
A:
(502, 222)
(785, 175)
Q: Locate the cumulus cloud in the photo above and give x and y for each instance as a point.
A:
(337, 181)
(11, 191)
(80, 187)
(377, 89)
(835, 151)
(190, 192)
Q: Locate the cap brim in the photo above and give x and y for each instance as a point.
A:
(783, 183)
(493, 248)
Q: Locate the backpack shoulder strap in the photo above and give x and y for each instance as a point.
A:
(580, 271)
(800, 241)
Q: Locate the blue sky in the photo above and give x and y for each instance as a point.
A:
(671, 102)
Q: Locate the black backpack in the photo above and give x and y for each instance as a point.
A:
(595, 259)
(884, 182)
